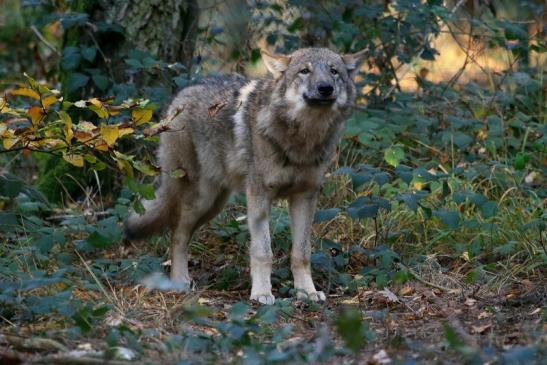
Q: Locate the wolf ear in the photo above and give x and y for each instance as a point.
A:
(354, 61)
(276, 64)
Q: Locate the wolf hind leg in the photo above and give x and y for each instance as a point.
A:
(191, 217)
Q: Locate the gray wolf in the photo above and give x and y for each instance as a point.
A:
(271, 138)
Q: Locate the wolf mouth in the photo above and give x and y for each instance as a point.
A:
(314, 101)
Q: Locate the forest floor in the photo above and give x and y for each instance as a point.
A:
(417, 322)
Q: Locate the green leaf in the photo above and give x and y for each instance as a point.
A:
(76, 81)
(394, 155)
(88, 53)
(448, 217)
(506, 249)
(97, 240)
(325, 215)
(489, 209)
(352, 328)
(520, 161)
(100, 81)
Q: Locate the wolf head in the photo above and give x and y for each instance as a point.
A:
(314, 80)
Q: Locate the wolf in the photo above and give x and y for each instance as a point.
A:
(271, 138)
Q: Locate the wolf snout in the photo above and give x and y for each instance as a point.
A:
(324, 89)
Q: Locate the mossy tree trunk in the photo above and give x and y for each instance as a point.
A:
(94, 53)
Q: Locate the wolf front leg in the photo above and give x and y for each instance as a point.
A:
(258, 212)
(302, 210)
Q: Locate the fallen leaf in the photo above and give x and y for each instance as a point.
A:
(380, 357)
(407, 290)
(480, 329)
(389, 295)
(483, 315)
(470, 302)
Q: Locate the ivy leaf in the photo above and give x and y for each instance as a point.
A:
(394, 155)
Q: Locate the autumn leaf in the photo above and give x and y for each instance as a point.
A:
(123, 162)
(86, 126)
(110, 134)
(141, 116)
(82, 136)
(9, 142)
(101, 145)
(98, 108)
(67, 128)
(74, 159)
(24, 91)
(49, 100)
(125, 131)
(36, 114)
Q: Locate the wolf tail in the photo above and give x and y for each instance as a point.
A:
(156, 218)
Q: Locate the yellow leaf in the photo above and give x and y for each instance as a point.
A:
(96, 102)
(124, 131)
(125, 166)
(68, 132)
(101, 145)
(141, 116)
(110, 133)
(74, 159)
(36, 114)
(24, 91)
(48, 101)
(9, 142)
(98, 108)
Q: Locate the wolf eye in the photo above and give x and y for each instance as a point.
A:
(334, 71)
(305, 71)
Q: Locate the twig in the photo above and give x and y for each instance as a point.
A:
(41, 37)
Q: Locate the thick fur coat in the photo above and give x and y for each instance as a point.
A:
(269, 138)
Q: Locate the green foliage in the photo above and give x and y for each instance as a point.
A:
(452, 170)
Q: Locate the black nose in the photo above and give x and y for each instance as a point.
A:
(325, 89)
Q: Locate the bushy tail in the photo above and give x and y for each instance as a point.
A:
(156, 218)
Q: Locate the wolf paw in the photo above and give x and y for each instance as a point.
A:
(316, 296)
(267, 299)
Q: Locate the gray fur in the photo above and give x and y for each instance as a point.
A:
(270, 138)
